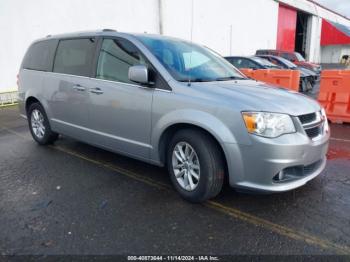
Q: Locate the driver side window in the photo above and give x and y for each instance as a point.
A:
(116, 56)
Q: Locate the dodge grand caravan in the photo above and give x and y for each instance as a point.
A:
(172, 103)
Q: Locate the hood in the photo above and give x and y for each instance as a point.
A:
(308, 64)
(257, 96)
(306, 72)
(303, 73)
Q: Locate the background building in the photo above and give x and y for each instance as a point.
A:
(231, 27)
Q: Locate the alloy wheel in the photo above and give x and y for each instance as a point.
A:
(37, 123)
(186, 166)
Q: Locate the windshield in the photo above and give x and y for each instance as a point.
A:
(287, 62)
(186, 61)
(300, 58)
(264, 62)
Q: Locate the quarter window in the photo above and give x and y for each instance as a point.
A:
(75, 57)
(40, 56)
(116, 56)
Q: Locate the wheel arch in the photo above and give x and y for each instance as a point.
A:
(30, 100)
(168, 133)
(165, 127)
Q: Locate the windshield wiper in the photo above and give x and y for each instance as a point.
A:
(197, 80)
(227, 78)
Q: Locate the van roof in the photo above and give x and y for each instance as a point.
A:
(103, 32)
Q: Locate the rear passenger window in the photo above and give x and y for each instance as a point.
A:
(116, 56)
(75, 57)
(40, 56)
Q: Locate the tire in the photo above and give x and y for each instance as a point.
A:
(211, 170)
(39, 125)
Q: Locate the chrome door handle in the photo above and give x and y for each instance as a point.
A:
(96, 91)
(79, 88)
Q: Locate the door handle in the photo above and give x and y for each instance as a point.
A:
(79, 88)
(96, 91)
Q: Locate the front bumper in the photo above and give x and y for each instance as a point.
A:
(276, 165)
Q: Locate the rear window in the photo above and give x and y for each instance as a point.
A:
(243, 63)
(265, 52)
(75, 57)
(40, 56)
(263, 61)
(288, 56)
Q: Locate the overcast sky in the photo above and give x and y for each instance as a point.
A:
(341, 6)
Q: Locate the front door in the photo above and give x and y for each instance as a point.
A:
(120, 111)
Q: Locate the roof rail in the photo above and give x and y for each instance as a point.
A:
(108, 30)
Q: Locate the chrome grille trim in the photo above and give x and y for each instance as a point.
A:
(312, 124)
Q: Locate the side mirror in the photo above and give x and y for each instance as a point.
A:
(138, 74)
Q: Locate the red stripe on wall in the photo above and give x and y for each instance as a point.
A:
(330, 35)
(286, 28)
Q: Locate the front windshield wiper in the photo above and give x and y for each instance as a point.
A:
(197, 80)
(227, 78)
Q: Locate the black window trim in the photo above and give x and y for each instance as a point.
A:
(165, 86)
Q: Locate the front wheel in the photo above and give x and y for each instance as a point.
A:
(195, 164)
(39, 125)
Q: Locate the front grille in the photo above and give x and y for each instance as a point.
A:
(312, 124)
(313, 132)
(304, 119)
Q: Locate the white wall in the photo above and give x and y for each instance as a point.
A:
(333, 53)
(313, 47)
(253, 23)
(230, 27)
(22, 21)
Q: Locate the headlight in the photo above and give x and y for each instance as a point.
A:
(268, 124)
(317, 68)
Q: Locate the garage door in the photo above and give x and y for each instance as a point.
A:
(287, 20)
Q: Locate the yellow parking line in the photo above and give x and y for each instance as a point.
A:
(115, 168)
(279, 229)
(230, 211)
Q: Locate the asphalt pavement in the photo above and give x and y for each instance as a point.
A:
(73, 198)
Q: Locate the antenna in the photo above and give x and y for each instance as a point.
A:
(190, 69)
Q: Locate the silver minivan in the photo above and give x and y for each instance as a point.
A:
(170, 102)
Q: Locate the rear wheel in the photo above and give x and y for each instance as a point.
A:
(39, 125)
(195, 165)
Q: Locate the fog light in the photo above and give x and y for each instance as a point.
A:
(280, 176)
